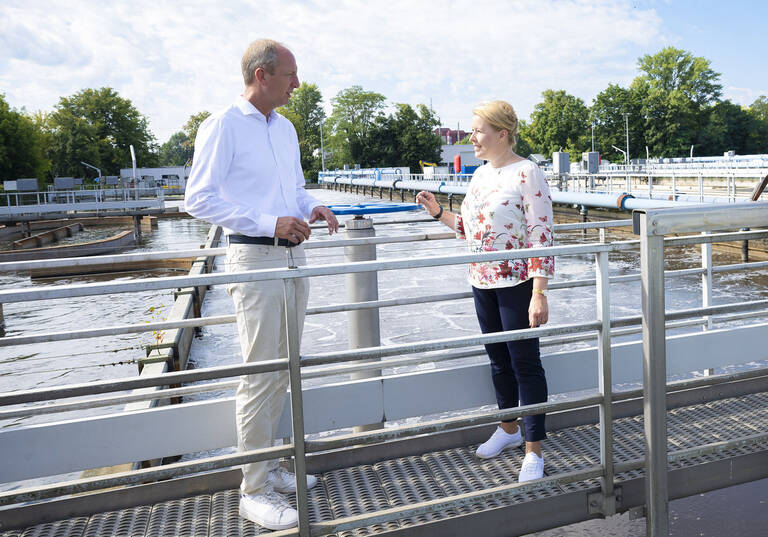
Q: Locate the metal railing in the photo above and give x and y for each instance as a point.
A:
(55, 201)
(697, 185)
(652, 226)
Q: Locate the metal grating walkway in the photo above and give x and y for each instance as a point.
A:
(401, 481)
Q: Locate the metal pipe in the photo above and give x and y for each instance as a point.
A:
(317, 372)
(293, 337)
(605, 384)
(446, 343)
(65, 291)
(145, 475)
(132, 383)
(56, 408)
(13, 266)
(335, 308)
(393, 433)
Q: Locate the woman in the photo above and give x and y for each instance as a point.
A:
(507, 206)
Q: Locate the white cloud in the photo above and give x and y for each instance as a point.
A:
(743, 96)
(173, 59)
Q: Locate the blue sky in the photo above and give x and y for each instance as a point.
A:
(175, 58)
(732, 35)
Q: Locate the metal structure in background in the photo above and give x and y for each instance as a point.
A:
(652, 225)
(620, 188)
(22, 206)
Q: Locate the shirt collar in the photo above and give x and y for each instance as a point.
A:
(247, 108)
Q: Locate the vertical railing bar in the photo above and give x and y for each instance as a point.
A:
(706, 287)
(297, 406)
(605, 382)
(706, 279)
(654, 380)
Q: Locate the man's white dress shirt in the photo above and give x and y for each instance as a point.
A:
(246, 172)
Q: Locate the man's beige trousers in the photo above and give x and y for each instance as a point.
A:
(260, 311)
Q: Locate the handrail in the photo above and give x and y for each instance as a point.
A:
(171, 282)
(12, 266)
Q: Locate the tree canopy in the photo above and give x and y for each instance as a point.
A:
(305, 111)
(98, 126)
(22, 145)
(400, 139)
(558, 122)
(176, 151)
(354, 113)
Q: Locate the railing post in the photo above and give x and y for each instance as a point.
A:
(706, 279)
(674, 186)
(297, 406)
(605, 383)
(654, 380)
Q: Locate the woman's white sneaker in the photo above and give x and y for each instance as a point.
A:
(532, 468)
(270, 510)
(498, 442)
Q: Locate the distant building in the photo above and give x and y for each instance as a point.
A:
(450, 136)
(466, 152)
(170, 177)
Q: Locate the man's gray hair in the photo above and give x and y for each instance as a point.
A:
(261, 53)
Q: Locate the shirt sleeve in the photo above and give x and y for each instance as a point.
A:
(214, 151)
(537, 206)
(460, 233)
(305, 201)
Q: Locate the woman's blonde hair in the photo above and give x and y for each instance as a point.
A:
(501, 116)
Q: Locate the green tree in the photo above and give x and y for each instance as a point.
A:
(399, 139)
(177, 151)
(98, 126)
(675, 90)
(415, 136)
(607, 117)
(560, 121)
(190, 129)
(306, 113)
(727, 128)
(354, 113)
(524, 147)
(758, 133)
(22, 149)
(759, 108)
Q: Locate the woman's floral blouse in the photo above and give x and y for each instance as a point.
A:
(504, 209)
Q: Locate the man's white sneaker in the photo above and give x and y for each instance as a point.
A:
(532, 468)
(269, 510)
(498, 442)
(284, 481)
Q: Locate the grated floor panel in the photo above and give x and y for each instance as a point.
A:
(402, 481)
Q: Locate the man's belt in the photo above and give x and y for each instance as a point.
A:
(268, 241)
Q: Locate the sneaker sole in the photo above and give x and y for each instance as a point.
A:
(255, 520)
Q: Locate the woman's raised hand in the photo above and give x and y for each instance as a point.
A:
(428, 201)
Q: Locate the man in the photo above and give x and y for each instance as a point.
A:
(247, 178)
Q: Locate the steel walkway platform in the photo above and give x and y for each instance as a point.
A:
(399, 481)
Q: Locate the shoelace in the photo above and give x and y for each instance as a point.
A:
(283, 474)
(281, 504)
